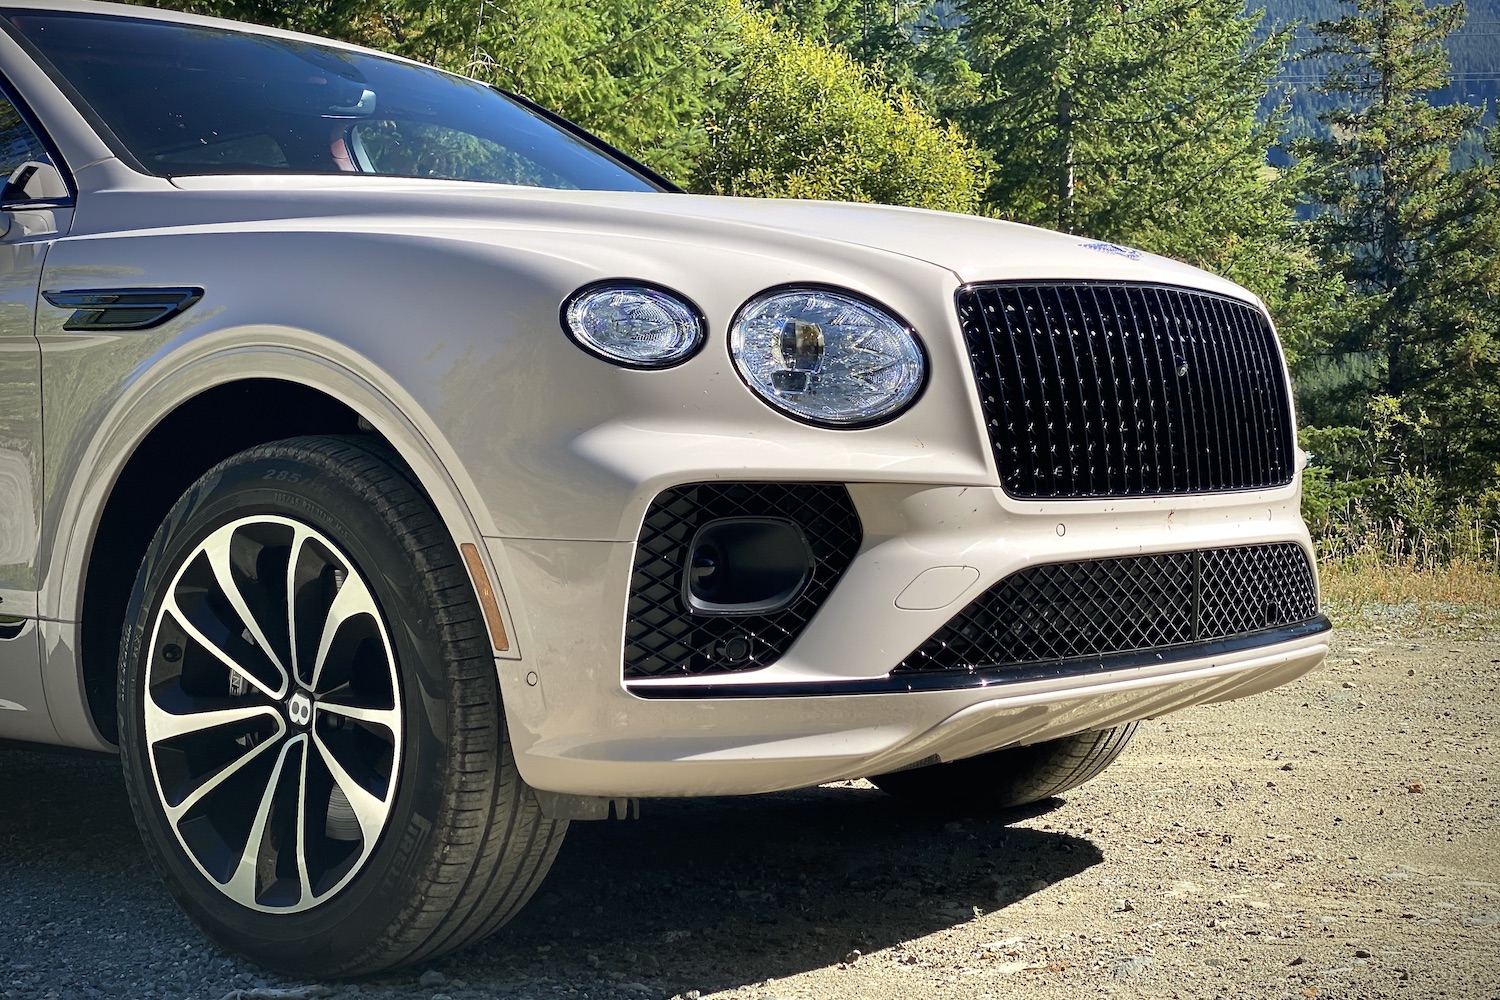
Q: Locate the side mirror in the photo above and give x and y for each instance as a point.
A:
(34, 180)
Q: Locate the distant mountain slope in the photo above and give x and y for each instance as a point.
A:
(1474, 51)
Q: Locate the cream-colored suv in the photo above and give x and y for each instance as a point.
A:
(391, 472)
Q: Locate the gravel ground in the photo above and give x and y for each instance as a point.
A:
(1337, 837)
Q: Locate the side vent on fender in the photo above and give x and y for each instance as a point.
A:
(97, 309)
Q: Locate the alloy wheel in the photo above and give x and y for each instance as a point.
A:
(272, 714)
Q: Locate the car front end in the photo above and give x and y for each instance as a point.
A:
(421, 474)
(1088, 515)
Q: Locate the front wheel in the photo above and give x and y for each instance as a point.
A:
(310, 719)
(1013, 776)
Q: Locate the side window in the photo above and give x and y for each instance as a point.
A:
(27, 171)
(18, 144)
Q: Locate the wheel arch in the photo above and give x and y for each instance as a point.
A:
(139, 463)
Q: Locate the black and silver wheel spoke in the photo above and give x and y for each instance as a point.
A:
(272, 713)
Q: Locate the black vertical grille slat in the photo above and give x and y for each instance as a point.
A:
(1107, 389)
(1211, 448)
(664, 638)
(1148, 370)
(1046, 406)
(1068, 460)
(1233, 392)
(1267, 402)
(1097, 345)
(1055, 408)
(1227, 447)
(1093, 343)
(1125, 421)
(1075, 458)
(1184, 436)
(993, 387)
(1200, 406)
(1178, 425)
(1100, 607)
(1251, 430)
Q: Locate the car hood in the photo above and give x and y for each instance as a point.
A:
(971, 248)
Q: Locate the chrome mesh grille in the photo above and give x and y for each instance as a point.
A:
(1120, 390)
(663, 638)
(1064, 611)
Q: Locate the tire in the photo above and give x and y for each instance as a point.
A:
(385, 759)
(1014, 776)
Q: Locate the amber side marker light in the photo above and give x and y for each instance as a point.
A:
(486, 596)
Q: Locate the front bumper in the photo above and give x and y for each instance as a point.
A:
(825, 710)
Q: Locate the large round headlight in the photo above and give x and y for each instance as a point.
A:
(827, 357)
(633, 324)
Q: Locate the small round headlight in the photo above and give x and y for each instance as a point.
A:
(827, 357)
(633, 324)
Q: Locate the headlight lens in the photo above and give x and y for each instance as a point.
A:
(827, 357)
(632, 324)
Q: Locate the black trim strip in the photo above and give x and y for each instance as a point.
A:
(96, 309)
(590, 139)
(988, 677)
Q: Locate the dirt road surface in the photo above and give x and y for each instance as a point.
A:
(1338, 837)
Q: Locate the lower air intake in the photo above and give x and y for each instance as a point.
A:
(1066, 611)
(666, 635)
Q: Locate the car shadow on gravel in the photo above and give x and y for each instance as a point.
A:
(68, 807)
(705, 894)
(713, 894)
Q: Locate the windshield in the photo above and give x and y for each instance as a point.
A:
(185, 99)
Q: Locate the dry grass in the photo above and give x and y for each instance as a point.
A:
(1430, 576)
(1359, 581)
(1456, 600)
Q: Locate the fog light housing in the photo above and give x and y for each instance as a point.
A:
(745, 566)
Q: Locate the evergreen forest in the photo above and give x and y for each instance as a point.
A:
(1335, 156)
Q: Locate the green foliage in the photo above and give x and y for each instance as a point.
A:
(1472, 49)
(1415, 353)
(915, 46)
(839, 21)
(640, 73)
(806, 121)
(1110, 119)
(1139, 123)
(348, 20)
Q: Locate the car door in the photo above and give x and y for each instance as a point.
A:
(35, 207)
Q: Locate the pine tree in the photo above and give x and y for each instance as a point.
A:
(911, 46)
(1103, 114)
(1418, 242)
(1137, 121)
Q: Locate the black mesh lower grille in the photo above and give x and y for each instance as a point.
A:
(663, 638)
(1103, 606)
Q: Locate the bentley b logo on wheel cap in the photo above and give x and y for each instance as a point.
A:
(299, 709)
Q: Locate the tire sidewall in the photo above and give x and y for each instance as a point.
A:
(258, 482)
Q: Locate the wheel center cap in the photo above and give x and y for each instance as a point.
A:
(299, 709)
